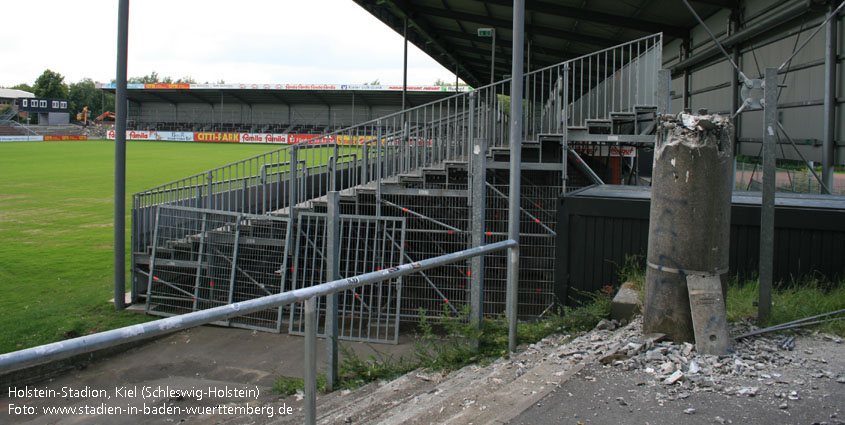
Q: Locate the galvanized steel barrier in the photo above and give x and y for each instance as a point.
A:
(569, 93)
(369, 154)
(63, 349)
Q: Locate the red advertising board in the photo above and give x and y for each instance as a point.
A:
(218, 137)
(134, 135)
(264, 138)
(311, 139)
(61, 138)
(167, 86)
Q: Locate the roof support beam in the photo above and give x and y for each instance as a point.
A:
(597, 17)
(559, 55)
(231, 93)
(727, 4)
(277, 97)
(199, 99)
(320, 98)
(159, 96)
(531, 29)
(424, 35)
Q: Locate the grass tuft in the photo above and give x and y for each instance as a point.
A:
(445, 343)
(800, 299)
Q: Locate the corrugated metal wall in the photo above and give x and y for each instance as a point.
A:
(800, 100)
(600, 226)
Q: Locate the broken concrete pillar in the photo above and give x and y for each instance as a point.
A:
(690, 217)
(626, 304)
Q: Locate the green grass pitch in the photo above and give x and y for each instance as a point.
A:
(56, 229)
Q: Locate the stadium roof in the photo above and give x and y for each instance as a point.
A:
(297, 94)
(557, 30)
(14, 93)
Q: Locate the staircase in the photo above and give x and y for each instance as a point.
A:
(587, 120)
(9, 127)
(491, 394)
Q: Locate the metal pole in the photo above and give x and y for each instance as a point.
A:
(405, 66)
(311, 361)
(120, 158)
(685, 101)
(829, 104)
(734, 107)
(333, 266)
(479, 190)
(528, 58)
(493, 58)
(767, 207)
(378, 164)
(516, 159)
(292, 182)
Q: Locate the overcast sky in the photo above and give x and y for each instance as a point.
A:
(245, 41)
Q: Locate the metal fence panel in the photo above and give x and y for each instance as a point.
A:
(369, 313)
(204, 258)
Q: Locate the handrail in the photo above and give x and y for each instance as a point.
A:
(63, 349)
(399, 116)
(570, 95)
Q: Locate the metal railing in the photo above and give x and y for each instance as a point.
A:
(7, 118)
(63, 349)
(749, 177)
(566, 94)
(613, 80)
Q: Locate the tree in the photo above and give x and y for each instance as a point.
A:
(147, 79)
(154, 78)
(51, 85)
(85, 93)
(23, 86)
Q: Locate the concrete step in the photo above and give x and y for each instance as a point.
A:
(501, 390)
(576, 129)
(645, 108)
(494, 393)
(455, 394)
(379, 399)
(598, 126)
(619, 116)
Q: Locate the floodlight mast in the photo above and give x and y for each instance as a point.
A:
(120, 158)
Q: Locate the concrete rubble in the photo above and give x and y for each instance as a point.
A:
(776, 369)
(507, 387)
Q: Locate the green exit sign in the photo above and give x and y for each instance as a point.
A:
(485, 32)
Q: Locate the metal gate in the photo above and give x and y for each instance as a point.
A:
(206, 258)
(366, 244)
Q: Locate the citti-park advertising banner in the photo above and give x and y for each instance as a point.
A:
(218, 137)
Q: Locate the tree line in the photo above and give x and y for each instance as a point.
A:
(84, 93)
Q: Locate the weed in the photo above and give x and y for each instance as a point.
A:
(801, 298)
(354, 371)
(633, 271)
(285, 386)
(447, 343)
